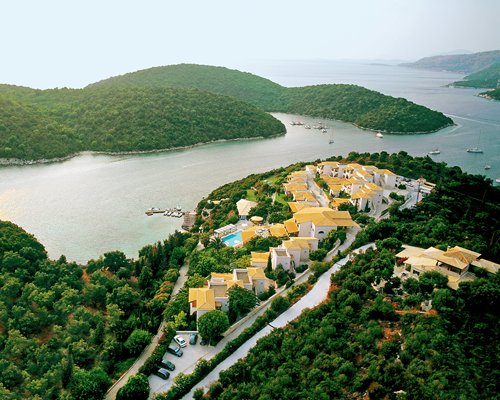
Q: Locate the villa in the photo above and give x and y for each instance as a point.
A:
(319, 221)
(244, 206)
(216, 297)
(457, 264)
(293, 252)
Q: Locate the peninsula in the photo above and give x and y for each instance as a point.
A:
(183, 105)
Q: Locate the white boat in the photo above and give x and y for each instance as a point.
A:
(497, 180)
(379, 135)
(324, 130)
(487, 166)
(435, 151)
(167, 213)
(474, 150)
(307, 127)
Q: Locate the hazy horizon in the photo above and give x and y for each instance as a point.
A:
(56, 43)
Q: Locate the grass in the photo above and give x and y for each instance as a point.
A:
(281, 198)
(251, 195)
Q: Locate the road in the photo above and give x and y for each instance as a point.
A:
(139, 362)
(317, 294)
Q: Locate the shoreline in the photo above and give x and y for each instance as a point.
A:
(6, 162)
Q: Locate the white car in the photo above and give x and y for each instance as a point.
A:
(180, 341)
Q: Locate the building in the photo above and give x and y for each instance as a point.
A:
(293, 252)
(319, 221)
(216, 297)
(456, 263)
(244, 206)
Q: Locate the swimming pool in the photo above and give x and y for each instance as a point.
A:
(233, 239)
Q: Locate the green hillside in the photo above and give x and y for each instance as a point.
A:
(251, 88)
(365, 108)
(36, 124)
(350, 103)
(488, 78)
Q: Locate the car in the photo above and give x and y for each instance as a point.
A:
(167, 365)
(203, 341)
(193, 338)
(162, 373)
(175, 350)
(180, 341)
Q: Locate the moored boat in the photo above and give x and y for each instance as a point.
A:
(379, 135)
(474, 150)
(435, 151)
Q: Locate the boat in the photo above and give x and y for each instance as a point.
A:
(307, 127)
(324, 130)
(178, 208)
(379, 135)
(474, 150)
(487, 166)
(167, 213)
(330, 141)
(497, 180)
(435, 151)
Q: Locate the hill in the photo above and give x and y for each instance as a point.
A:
(364, 108)
(488, 78)
(245, 86)
(460, 63)
(38, 124)
(349, 103)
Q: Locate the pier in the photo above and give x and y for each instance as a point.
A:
(175, 212)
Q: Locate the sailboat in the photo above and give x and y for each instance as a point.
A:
(475, 149)
(330, 141)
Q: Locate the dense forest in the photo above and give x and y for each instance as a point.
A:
(363, 344)
(365, 108)
(37, 124)
(67, 331)
(488, 78)
(350, 103)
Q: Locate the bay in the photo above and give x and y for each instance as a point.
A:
(91, 204)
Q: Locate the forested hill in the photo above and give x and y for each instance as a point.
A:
(365, 108)
(492, 94)
(44, 124)
(488, 78)
(460, 63)
(245, 86)
(350, 103)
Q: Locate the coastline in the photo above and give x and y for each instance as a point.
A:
(6, 162)
(403, 133)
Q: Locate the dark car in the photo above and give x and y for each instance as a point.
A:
(175, 350)
(203, 341)
(167, 365)
(162, 373)
(193, 338)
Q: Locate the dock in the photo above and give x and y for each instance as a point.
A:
(175, 212)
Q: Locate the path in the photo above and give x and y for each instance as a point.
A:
(315, 296)
(139, 362)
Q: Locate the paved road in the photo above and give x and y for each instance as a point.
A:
(134, 369)
(317, 294)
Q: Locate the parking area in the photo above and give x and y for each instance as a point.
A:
(191, 353)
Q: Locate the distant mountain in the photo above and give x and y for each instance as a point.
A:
(488, 78)
(460, 63)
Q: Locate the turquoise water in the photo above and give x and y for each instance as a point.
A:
(92, 204)
(233, 239)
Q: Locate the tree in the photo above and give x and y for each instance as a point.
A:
(241, 301)
(90, 385)
(213, 324)
(137, 340)
(136, 388)
(114, 260)
(318, 255)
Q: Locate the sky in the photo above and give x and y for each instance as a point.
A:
(58, 43)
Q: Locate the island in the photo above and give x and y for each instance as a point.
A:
(488, 78)
(491, 94)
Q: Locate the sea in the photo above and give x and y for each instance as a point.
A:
(92, 203)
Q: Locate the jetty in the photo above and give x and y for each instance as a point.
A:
(167, 212)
